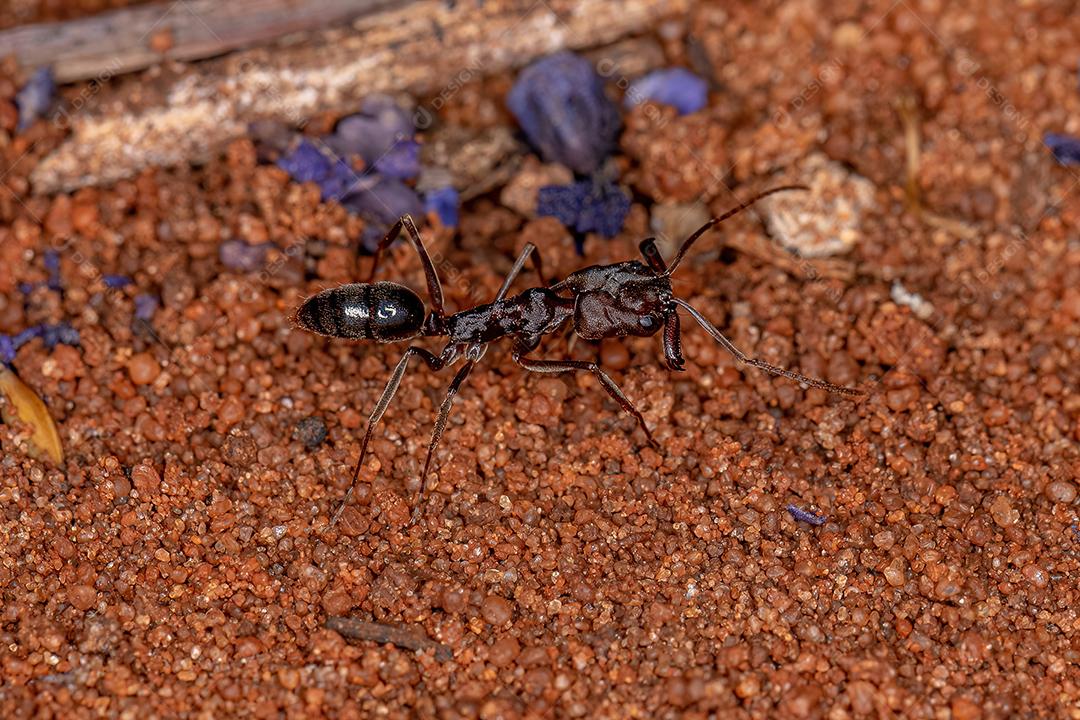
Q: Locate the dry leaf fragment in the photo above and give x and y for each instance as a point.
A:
(25, 406)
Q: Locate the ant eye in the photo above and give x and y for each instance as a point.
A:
(646, 321)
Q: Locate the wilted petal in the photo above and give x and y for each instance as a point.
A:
(1066, 148)
(305, 163)
(444, 202)
(559, 102)
(677, 87)
(35, 97)
(586, 206)
(373, 131)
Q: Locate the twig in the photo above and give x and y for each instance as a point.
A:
(382, 634)
(124, 40)
(428, 47)
(909, 117)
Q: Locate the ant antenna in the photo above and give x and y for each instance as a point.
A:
(717, 220)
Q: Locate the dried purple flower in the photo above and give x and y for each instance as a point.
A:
(51, 334)
(401, 161)
(1066, 148)
(372, 132)
(383, 200)
(604, 210)
(59, 333)
(562, 202)
(35, 97)
(677, 87)
(52, 264)
(559, 102)
(26, 288)
(586, 206)
(339, 181)
(805, 515)
(25, 336)
(305, 163)
(444, 202)
(145, 306)
(371, 235)
(115, 282)
(242, 257)
(7, 349)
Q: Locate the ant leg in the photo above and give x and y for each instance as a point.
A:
(652, 255)
(673, 341)
(743, 357)
(436, 363)
(717, 220)
(440, 426)
(561, 366)
(528, 250)
(433, 285)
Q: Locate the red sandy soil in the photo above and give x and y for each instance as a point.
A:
(181, 562)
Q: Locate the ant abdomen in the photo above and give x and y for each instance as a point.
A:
(382, 311)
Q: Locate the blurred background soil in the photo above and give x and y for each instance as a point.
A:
(181, 562)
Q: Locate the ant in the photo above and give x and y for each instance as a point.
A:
(601, 301)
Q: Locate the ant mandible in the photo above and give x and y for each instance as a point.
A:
(602, 301)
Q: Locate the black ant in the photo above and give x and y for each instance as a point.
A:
(602, 301)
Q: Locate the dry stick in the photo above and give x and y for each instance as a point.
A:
(121, 40)
(427, 47)
(909, 118)
(382, 634)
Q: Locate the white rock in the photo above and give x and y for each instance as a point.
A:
(824, 221)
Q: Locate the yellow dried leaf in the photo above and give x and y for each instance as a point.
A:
(24, 405)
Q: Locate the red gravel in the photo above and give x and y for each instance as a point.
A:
(181, 564)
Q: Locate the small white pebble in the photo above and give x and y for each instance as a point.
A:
(923, 309)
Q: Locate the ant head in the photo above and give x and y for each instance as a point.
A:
(382, 311)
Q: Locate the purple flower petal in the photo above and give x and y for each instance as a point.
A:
(1066, 148)
(562, 202)
(586, 206)
(145, 306)
(677, 87)
(7, 349)
(116, 282)
(27, 335)
(373, 131)
(444, 202)
(384, 201)
(402, 161)
(806, 516)
(52, 264)
(242, 257)
(67, 334)
(604, 211)
(559, 102)
(59, 333)
(371, 236)
(35, 97)
(340, 181)
(305, 163)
